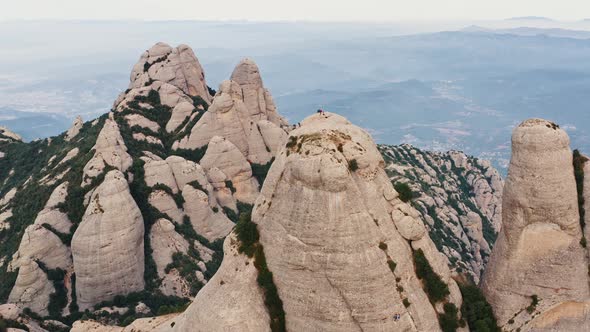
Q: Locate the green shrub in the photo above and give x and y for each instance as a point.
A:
(382, 245)
(353, 165)
(449, 320)
(260, 171)
(404, 190)
(476, 310)
(435, 288)
(392, 265)
(230, 186)
(534, 301)
(579, 160)
(248, 236)
(406, 302)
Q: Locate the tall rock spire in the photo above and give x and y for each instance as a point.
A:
(538, 264)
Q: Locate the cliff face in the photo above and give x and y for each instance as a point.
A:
(340, 245)
(107, 247)
(537, 277)
(459, 199)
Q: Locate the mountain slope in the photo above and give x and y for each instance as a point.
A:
(459, 199)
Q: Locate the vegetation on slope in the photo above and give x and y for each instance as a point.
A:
(247, 232)
(476, 310)
(579, 161)
(419, 176)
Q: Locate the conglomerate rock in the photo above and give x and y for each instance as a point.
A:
(537, 277)
(331, 225)
(108, 245)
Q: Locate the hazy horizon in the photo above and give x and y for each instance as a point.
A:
(264, 10)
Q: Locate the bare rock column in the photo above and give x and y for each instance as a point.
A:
(538, 262)
(107, 247)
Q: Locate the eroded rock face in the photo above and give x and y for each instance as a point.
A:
(244, 113)
(110, 149)
(32, 288)
(223, 161)
(75, 128)
(39, 243)
(165, 241)
(328, 229)
(257, 99)
(51, 215)
(538, 252)
(177, 66)
(231, 300)
(107, 247)
(206, 222)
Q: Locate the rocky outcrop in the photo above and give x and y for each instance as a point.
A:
(39, 243)
(537, 277)
(180, 112)
(32, 288)
(230, 301)
(165, 241)
(338, 241)
(40, 246)
(138, 120)
(243, 113)
(257, 99)
(108, 245)
(7, 134)
(110, 149)
(458, 197)
(224, 162)
(206, 222)
(177, 66)
(51, 215)
(74, 129)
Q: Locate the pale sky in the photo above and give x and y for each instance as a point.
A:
(317, 10)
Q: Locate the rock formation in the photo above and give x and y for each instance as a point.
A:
(337, 239)
(107, 247)
(177, 66)
(110, 149)
(7, 134)
(459, 198)
(537, 277)
(74, 129)
(32, 288)
(242, 112)
(224, 158)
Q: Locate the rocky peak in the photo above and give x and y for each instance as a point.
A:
(242, 112)
(75, 128)
(257, 99)
(340, 244)
(537, 277)
(8, 135)
(177, 66)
